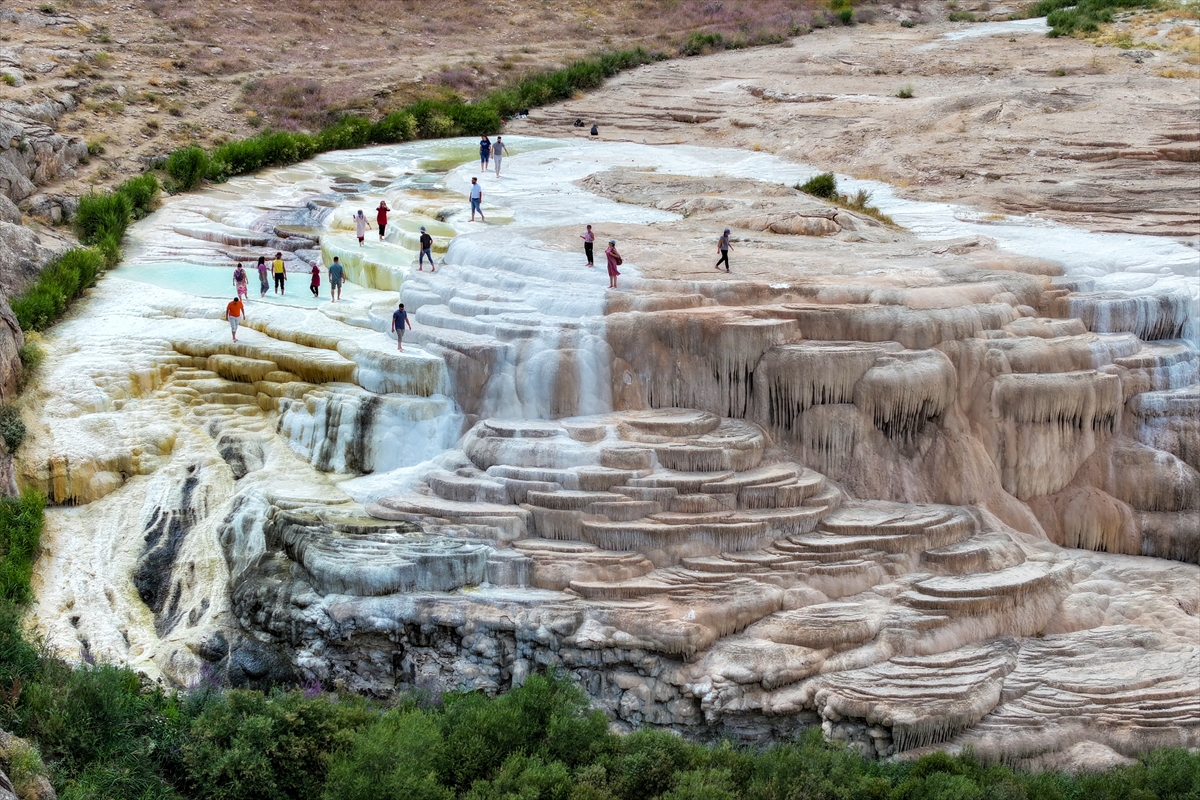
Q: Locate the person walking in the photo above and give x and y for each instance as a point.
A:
(499, 150)
(589, 239)
(399, 320)
(426, 252)
(485, 153)
(240, 283)
(381, 218)
(614, 261)
(315, 284)
(477, 199)
(336, 276)
(235, 312)
(280, 271)
(360, 226)
(264, 282)
(723, 248)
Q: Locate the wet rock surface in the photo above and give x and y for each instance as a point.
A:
(892, 487)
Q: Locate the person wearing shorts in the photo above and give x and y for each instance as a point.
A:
(426, 252)
(477, 199)
(499, 150)
(589, 240)
(280, 271)
(399, 320)
(234, 312)
(336, 276)
(381, 217)
(360, 226)
(264, 283)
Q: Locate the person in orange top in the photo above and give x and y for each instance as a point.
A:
(235, 312)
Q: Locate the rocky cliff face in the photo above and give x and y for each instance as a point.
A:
(918, 493)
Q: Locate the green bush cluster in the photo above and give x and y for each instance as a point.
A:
(21, 520)
(12, 429)
(57, 285)
(424, 119)
(100, 222)
(1071, 17)
(825, 187)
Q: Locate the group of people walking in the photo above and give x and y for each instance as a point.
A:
(491, 152)
(235, 311)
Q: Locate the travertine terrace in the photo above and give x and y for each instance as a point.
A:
(920, 491)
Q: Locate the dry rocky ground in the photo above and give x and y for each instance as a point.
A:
(1098, 135)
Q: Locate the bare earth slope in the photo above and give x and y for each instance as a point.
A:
(1012, 121)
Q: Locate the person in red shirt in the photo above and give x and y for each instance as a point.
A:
(235, 312)
(381, 217)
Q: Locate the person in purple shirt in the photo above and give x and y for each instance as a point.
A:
(399, 320)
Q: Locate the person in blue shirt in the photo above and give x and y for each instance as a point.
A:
(399, 320)
(336, 276)
(485, 153)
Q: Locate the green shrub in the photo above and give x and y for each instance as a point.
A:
(187, 166)
(962, 16)
(846, 16)
(906, 92)
(394, 758)
(399, 126)
(474, 119)
(648, 763)
(21, 520)
(527, 778)
(247, 746)
(700, 43)
(12, 429)
(143, 193)
(823, 185)
(57, 285)
(102, 214)
(347, 134)
(31, 355)
(907, 23)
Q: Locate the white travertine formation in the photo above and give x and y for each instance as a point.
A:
(922, 495)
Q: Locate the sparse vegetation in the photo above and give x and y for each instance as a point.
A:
(9, 79)
(1074, 17)
(12, 431)
(962, 16)
(824, 186)
(906, 92)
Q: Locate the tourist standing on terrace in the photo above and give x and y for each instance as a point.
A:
(477, 199)
(336, 276)
(280, 270)
(499, 150)
(360, 226)
(315, 284)
(240, 283)
(588, 239)
(264, 283)
(234, 312)
(485, 153)
(426, 252)
(399, 320)
(381, 217)
(723, 248)
(614, 261)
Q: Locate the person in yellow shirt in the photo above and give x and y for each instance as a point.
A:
(280, 270)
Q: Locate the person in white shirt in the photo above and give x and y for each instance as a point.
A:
(477, 197)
